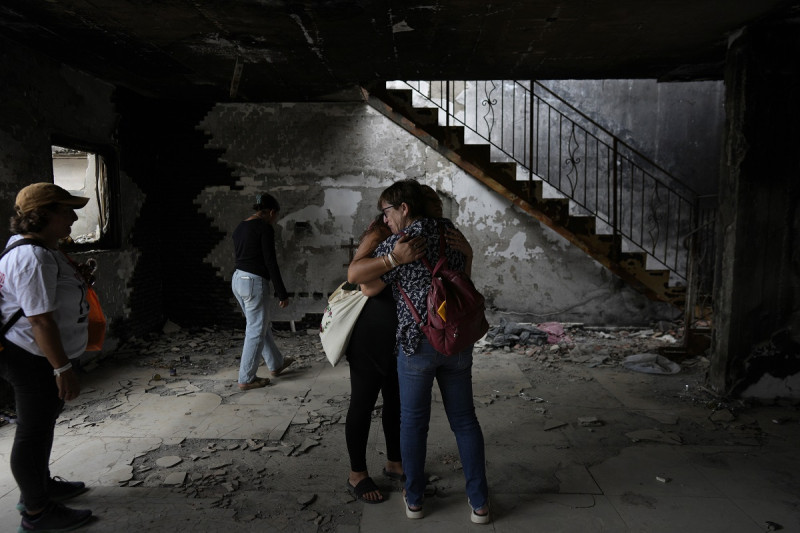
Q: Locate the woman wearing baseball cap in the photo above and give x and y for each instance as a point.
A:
(43, 298)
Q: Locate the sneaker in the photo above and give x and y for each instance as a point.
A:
(55, 517)
(413, 514)
(480, 518)
(257, 383)
(287, 362)
(59, 490)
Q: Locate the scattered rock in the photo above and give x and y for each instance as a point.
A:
(723, 415)
(307, 445)
(306, 499)
(589, 421)
(654, 435)
(175, 478)
(168, 461)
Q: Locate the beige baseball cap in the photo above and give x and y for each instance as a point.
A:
(41, 194)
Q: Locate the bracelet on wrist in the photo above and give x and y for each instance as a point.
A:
(386, 263)
(394, 260)
(58, 371)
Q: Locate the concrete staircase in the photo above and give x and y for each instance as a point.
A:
(502, 177)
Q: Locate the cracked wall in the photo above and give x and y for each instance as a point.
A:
(328, 163)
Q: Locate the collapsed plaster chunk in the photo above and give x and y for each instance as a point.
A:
(553, 424)
(117, 476)
(306, 499)
(654, 435)
(175, 479)
(723, 415)
(169, 461)
(307, 445)
(589, 421)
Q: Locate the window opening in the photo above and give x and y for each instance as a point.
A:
(84, 173)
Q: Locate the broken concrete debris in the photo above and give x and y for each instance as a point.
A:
(306, 499)
(229, 471)
(651, 363)
(654, 435)
(511, 333)
(589, 421)
(552, 343)
(168, 461)
(175, 478)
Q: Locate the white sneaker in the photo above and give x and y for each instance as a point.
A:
(410, 513)
(480, 518)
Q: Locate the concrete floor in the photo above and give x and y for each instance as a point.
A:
(655, 458)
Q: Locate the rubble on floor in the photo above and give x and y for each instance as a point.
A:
(235, 471)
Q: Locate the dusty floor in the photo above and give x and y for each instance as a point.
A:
(575, 442)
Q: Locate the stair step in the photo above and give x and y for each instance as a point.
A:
(402, 96)
(582, 225)
(451, 137)
(401, 101)
(530, 190)
(554, 212)
(601, 245)
(633, 260)
(424, 117)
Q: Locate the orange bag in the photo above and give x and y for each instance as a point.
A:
(97, 322)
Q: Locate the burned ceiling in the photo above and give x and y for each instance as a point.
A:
(273, 50)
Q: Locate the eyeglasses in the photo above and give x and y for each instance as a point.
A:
(385, 208)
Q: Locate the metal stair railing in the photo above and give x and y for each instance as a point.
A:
(524, 122)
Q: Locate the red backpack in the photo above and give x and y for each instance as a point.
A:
(456, 316)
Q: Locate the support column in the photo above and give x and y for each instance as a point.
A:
(757, 294)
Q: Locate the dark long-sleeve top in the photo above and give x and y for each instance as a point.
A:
(254, 246)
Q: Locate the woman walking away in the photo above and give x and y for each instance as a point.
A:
(256, 266)
(418, 363)
(44, 297)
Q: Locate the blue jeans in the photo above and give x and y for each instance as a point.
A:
(416, 373)
(250, 291)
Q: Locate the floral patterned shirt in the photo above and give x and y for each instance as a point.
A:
(415, 278)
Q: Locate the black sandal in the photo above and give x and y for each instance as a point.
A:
(393, 475)
(365, 486)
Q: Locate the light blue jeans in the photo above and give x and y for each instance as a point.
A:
(251, 293)
(416, 373)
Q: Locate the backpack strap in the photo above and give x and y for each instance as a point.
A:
(21, 242)
(414, 312)
(19, 314)
(441, 263)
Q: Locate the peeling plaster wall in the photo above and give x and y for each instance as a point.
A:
(328, 163)
(678, 125)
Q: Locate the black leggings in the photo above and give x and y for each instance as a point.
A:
(365, 383)
(38, 407)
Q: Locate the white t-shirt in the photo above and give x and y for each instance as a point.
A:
(39, 280)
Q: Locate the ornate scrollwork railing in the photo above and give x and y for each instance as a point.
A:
(550, 140)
